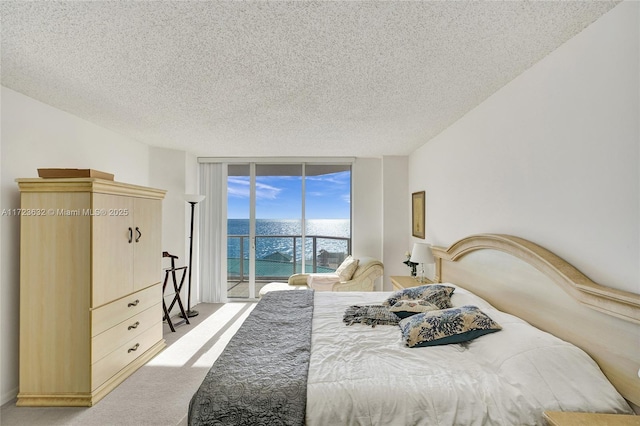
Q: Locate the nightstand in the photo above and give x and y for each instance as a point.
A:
(402, 281)
(560, 418)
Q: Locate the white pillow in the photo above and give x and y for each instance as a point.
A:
(347, 268)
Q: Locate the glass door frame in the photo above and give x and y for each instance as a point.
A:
(252, 230)
(252, 163)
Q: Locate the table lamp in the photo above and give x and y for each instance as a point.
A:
(422, 254)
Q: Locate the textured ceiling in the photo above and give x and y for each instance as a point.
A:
(262, 78)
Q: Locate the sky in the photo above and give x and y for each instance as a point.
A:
(280, 197)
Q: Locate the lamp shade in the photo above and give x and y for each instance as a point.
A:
(193, 198)
(421, 253)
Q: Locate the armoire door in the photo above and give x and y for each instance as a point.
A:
(113, 243)
(147, 261)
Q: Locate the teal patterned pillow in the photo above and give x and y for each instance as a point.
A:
(453, 325)
(406, 308)
(439, 295)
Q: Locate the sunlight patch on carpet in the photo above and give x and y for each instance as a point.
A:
(201, 346)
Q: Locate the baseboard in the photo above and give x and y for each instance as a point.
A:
(9, 396)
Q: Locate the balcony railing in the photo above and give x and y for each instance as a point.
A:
(280, 256)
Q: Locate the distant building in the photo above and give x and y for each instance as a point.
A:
(330, 259)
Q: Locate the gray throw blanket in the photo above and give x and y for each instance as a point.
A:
(261, 376)
(370, 315)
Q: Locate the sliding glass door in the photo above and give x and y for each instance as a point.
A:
(278, 220)
(327, 216)
(284, 219)
(240, 228)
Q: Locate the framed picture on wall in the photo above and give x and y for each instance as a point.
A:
(417, 214)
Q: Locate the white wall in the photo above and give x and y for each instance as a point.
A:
(167, 171)
(173, 171)
(552, 157)
(35, 135)
(396, 217)
(367, 209)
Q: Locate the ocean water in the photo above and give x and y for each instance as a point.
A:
(281, 233)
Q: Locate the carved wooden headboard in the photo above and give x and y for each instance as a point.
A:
(526, 280)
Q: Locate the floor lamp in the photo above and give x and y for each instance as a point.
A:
(192, 199)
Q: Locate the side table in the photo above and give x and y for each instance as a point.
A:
(400, 282)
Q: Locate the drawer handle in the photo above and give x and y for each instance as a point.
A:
(130, 235)
(133, 349)
(139, 234)
(132, 304)
(134, 325)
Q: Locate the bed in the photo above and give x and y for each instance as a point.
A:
(301, 364)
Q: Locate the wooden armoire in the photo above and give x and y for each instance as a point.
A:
(90, 287)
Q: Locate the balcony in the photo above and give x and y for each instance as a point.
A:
(280, 256)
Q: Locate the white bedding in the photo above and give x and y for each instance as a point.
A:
(359, 375)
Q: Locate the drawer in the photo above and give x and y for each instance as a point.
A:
(108, 341)
(105, 368)
(112, 314)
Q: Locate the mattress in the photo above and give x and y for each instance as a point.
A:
(362, 375)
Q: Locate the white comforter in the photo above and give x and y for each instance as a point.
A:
(360, 375)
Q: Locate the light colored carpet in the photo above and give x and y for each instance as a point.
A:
(157, 394)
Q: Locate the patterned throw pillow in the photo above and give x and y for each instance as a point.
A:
(347, 268)
(406, 308)
(453, 325)
(439, 295)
